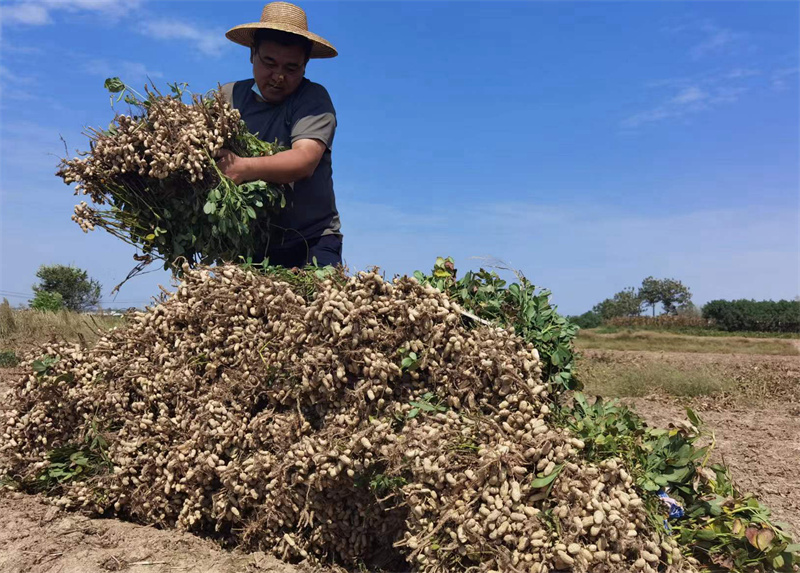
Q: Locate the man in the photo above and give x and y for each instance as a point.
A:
(279, 103)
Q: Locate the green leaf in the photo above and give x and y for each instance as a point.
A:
(546, 480)
(706, 535)
(114, 85)
(210, 208)
(693, 418)
(650, 485)
(677, 475)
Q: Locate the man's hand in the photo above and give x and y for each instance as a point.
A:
(288, 166)
(233, 166)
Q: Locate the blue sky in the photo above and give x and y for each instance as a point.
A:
(588, 145)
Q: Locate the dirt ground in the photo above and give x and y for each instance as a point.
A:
(39, 538)
(760, 442)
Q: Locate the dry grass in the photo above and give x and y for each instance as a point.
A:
(619, 379)
(726, 379)
(667, 342)
(21, 329)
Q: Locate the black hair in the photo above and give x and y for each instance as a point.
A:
(282, 38)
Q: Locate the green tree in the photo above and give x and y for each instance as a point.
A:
(670, 293)
(650, 292)
(47, 301)
(77, 290)
(674, 294)
(625, 303)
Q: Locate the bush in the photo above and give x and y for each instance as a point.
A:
(761, 316)
(8, 358)
(47, 301)
(588, 319)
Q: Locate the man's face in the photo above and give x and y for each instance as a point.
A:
(278, 70)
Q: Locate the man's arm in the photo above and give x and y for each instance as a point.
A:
(287, 166)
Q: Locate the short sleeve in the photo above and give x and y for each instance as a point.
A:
(314, 116)
(227, 92)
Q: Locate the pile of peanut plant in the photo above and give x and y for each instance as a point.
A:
(153, 181)
(520, 307)
(349, 420)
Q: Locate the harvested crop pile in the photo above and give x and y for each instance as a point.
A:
(238, 406)
(154, 183)
(348, 420)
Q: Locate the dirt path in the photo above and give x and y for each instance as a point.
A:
(760, 445)
(38, 538)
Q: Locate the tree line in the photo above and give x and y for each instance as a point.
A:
(673, 296)
(675, 299)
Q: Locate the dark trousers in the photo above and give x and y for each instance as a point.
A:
(325, 250)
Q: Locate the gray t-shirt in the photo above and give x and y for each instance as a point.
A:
(308, 113)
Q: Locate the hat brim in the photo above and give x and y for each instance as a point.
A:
(243, 35)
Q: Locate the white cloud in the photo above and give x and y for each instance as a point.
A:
(716, 40)
(29, 14)
(209, 42)
(707, 37)
(682, 96)
(689, 95)
(648, 116)
(727, 94)
(40, 12)
(741, 73)
(780, 78)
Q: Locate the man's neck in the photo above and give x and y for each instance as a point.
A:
(260, 98)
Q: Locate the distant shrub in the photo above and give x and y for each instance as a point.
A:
(47, 301)
(761, 316)
(588, 319)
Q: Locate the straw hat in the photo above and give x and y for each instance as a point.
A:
(287, 18)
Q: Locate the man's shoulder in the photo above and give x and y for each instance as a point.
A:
(314, 91)
(227, 89)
